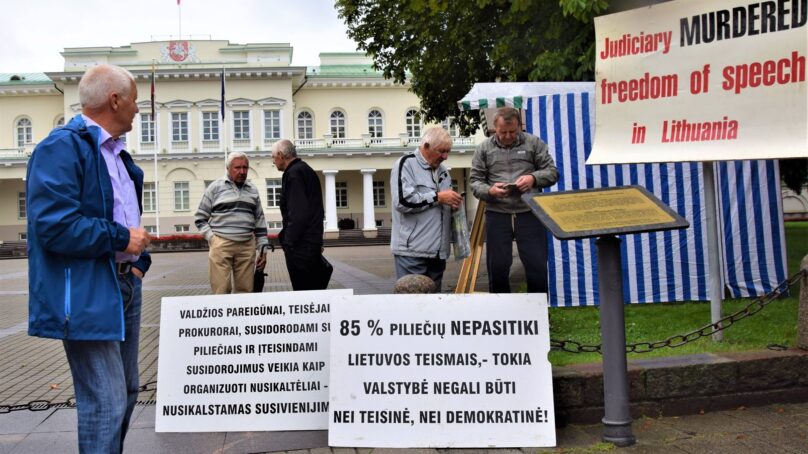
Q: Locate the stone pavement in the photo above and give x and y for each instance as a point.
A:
(35, 369)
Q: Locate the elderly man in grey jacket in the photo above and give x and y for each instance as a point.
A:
(506, 165)
(422, 202)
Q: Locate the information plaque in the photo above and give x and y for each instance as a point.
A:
(588, 213)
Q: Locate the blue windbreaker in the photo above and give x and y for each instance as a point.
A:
(72, 284)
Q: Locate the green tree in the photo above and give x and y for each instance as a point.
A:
(444, 46)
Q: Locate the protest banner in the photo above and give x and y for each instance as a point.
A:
(245, 362)
(701, 81)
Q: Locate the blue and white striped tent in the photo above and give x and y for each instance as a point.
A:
(657, 267)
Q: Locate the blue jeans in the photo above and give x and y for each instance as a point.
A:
(531, 242)
(432, 268)
(105, 378)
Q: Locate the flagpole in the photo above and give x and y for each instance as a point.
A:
(179, 10)
(156, 131)
(223, 114)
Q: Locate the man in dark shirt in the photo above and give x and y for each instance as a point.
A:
(302, 212)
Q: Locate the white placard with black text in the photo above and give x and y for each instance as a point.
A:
(440, 371)
(246, 362)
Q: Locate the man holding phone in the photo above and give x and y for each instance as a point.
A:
(506, 165)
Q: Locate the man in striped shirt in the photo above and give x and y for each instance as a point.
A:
(231, 218)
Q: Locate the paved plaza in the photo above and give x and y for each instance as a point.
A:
(36, 370)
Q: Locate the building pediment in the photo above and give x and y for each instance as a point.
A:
(271, 101)
(240, 102)
(208, 103)
(178, 103)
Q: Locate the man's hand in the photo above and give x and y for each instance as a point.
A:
(449, 197)
(261, 261)
(498, 191)
(138, 240)
(525, 183)
(137, 273)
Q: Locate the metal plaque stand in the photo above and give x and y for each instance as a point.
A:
(605, 213)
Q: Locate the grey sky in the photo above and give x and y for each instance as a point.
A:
(34, 32)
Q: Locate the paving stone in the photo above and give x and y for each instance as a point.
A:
(147, 441)
(9, 442)
(22, 421)
(51, 443)
(61, 420)
(247, 442)
(720, 422)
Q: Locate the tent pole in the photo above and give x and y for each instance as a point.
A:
(713, 247)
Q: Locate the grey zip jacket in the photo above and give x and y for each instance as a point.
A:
(421, 226)
(493, 163)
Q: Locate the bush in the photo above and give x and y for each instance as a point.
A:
(346, 224)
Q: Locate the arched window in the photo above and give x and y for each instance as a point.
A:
(375, 124)
(413, 124)
(24, 132)
(453, 130)
(337, 124)
(305, 125)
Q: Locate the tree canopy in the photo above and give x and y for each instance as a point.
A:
(443, 47)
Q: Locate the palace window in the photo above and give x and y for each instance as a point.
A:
(181, 196)
(149, 197)
(305, 126)
(146, 128)
(241, 125)
(337, 124)
(179, 126)
(182, 228)
(210, 126)
(375, 124)
(273, 192)
(453, 129)
(341, 188)
(272, 124)
(413, 124)
(378, 194)
(21, 212)
(24, 132)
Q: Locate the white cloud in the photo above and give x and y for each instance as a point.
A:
(34, 32)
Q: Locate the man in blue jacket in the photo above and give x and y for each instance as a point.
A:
(86, 253)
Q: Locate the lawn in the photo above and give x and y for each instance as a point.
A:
(776, 324)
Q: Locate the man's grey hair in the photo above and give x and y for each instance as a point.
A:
(99, 81)
(235, 155)
(508, 114)
(285, 148)
(436, 137)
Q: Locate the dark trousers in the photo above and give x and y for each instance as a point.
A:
(305, 266)
(531, 242)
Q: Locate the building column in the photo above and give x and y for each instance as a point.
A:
(331, 228)
(369, 216)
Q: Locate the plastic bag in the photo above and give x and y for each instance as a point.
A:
(460, 233)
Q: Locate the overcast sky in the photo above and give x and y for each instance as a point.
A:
(34, 32)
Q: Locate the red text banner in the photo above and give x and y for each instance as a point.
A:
(702, 81)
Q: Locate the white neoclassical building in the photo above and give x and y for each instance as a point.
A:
(349, 123)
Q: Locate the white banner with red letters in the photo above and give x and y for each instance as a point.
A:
(701, 81)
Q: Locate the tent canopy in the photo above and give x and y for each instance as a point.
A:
(489, 95)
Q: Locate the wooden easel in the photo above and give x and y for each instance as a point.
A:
(471, 264)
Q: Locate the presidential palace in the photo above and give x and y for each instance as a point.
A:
(348, 122)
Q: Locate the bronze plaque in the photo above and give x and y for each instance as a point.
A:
(590, 213)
